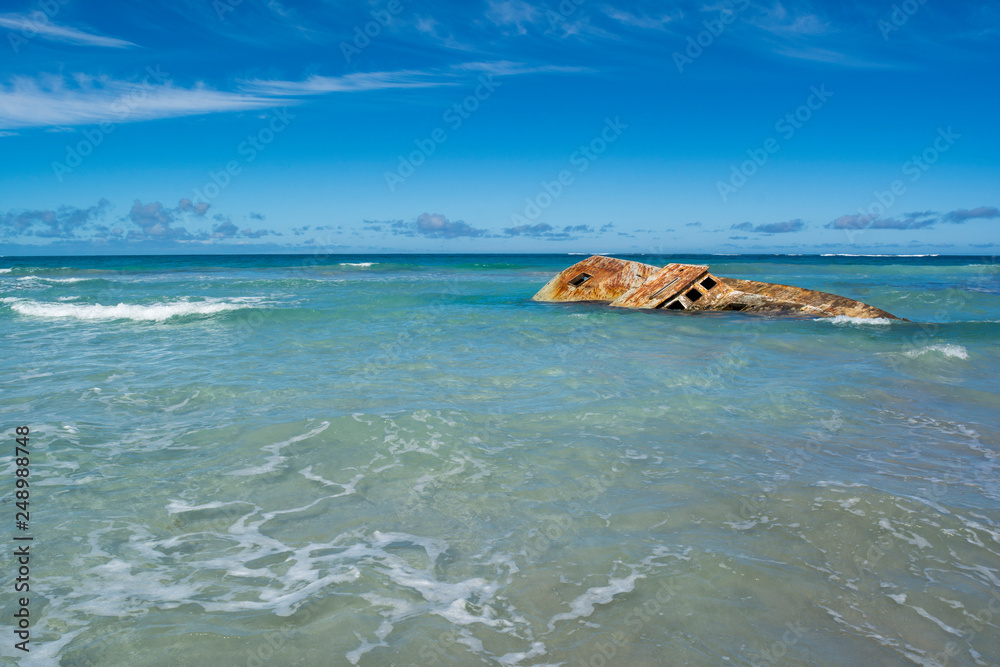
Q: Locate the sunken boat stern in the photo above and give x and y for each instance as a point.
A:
(626, 284)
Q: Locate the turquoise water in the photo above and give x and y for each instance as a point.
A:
(402, 460)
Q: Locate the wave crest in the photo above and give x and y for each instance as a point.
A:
(156, 312)
(948, 350)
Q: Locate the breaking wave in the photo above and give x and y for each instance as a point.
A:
(948, 350)
(844, 319)
(157, 312)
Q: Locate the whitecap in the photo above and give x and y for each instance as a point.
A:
(948, 350)
(844, 319)
(157, 312)
(363, 264)
(54, 280)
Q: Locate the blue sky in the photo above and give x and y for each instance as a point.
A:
(499, 125)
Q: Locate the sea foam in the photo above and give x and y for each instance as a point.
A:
(948, 350)
(844, 319)
(156, 312)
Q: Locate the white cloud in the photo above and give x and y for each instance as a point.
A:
(62, 102)
(636, 21)
(780, 21)
(515, 13)
(40, 25)
(508, 68)
(349, 83)
(49, 101)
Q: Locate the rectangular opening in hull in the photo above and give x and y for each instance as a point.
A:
(708, 284)
(580, 279)
(693, 295)
(674, 305)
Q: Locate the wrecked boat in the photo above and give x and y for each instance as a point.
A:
(691, 287)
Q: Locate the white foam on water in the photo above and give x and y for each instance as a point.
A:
(948, 350)
(348, 488)
(55, 280)
(6, 270)
(363, 264)
(844, 319)
(139, 313)
(537, 650)
(178, 506)
(276, 457)
(847, 254)
(583, 605)
(171, 408)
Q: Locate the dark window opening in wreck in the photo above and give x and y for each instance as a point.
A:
(693, 294)
(674, 305)
(580, 279)
(708, 284)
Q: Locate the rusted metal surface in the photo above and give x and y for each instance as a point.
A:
(773, 299)
(662, 287)
(626, 284)
(596, 278)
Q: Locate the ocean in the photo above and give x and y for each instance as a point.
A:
(403, 460)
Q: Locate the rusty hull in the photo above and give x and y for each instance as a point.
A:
(626, 284)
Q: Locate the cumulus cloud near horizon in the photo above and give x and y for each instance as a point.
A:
(786, 227)
(62, 223)
(914, 220)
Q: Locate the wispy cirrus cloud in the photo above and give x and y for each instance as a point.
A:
(67, 101)
(508, 68)
(348, 83)
(38, 24)
(512, 14)
(53, 100)
(779, 20)
(640, 20)
(400, 79)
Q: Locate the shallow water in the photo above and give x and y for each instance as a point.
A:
(402, 460)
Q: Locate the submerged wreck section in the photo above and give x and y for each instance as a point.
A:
(626, 284)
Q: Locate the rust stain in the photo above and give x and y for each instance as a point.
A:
(626, 284)
(596, 278)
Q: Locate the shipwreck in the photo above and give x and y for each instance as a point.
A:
(692, 287)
